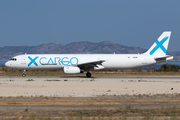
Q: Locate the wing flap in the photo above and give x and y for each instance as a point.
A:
(99, 62)
(91, 65)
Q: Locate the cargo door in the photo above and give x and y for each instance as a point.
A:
(23, 60)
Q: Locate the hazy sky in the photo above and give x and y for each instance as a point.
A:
(128, 22)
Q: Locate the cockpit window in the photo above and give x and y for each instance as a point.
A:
(13, 59)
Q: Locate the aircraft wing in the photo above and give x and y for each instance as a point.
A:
(91, 65)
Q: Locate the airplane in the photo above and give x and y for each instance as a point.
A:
(78, 63)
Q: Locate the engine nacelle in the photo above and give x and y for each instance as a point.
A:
(71, 70)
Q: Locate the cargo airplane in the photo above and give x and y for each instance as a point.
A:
(78, 63)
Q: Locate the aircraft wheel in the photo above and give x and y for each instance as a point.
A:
(24, 75)
(88, 74)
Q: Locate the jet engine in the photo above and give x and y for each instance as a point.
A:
(71, 70)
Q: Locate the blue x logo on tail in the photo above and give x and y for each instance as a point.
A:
(159, 45)
(32, 61)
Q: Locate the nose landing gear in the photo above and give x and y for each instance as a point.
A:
(24, 73)
(88, 74)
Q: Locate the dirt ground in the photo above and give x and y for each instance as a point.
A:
(55, 106)
(58, 96)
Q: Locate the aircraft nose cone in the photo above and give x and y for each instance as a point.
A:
(7, 64)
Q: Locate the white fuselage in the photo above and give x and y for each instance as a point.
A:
(58, 61)
(78, 63)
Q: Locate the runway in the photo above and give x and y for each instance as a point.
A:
(88, 87)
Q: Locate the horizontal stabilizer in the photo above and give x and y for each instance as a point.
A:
(164, 58)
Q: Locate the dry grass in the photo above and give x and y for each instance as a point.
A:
(93, 118)
(96, 114)
(67, 102)
(129, 100)
(23, 108)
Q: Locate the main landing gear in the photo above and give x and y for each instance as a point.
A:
(88, 74)
(24, 73)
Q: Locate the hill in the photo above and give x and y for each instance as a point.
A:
(83, 47)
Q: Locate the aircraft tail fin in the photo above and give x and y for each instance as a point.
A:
(161, 44)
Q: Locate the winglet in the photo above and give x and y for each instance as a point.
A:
(161, 44)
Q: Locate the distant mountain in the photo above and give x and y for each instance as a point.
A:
(84, 47)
